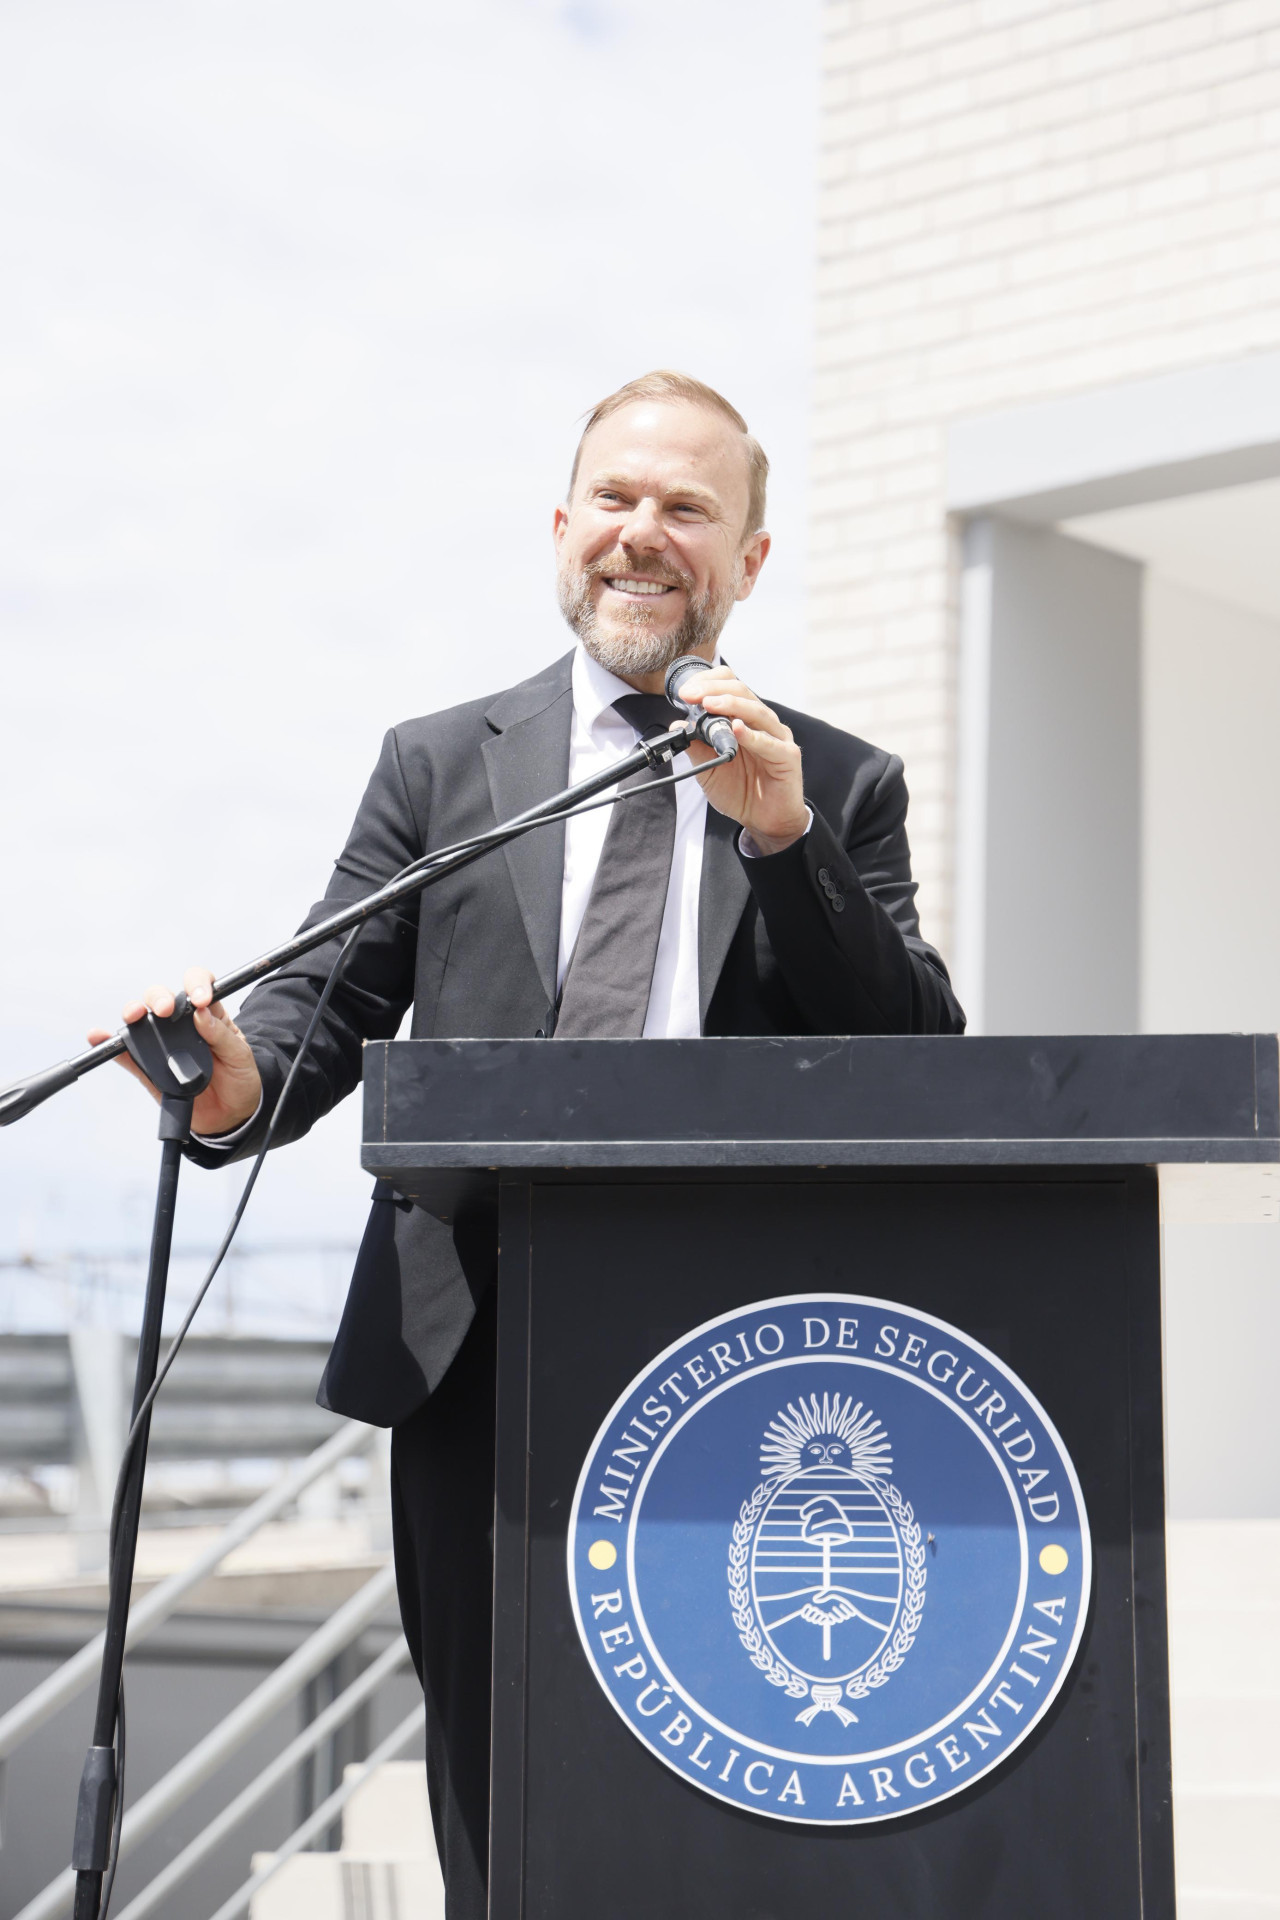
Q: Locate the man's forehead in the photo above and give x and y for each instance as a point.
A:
(686, 447)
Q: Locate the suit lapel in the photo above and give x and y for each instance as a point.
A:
(721, 899)
(526, 762)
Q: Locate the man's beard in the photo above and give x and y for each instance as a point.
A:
(628, 643)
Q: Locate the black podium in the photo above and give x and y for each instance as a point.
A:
(1005, 1187)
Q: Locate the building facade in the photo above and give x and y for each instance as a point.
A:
(1022, 204)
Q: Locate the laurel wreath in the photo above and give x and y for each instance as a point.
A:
(912, 1601)
(888, 1662)
(740, 1602)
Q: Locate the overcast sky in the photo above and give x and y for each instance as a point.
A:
(302, 304)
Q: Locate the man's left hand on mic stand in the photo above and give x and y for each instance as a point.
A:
(762, 788)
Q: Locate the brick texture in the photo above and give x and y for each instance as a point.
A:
(1019, 199)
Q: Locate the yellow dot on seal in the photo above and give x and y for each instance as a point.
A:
(1052, 1559)
(603, 1553)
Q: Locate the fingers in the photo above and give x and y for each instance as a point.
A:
(760, 733)
(224, 1037)
(157, 1000)
(776, 750)
(747, 708)
(756, 727)
(696, 685)
(763, 787)
(699, 685)
(226, 1042)
(733, 699)
(197, 984)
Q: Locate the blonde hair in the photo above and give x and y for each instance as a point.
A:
(666, 385)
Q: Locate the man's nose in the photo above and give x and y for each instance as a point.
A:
(643, 530)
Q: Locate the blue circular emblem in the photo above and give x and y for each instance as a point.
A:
(829, 1559)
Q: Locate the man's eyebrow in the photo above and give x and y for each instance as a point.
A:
(690, 492)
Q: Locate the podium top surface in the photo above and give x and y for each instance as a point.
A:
(1060, 1100)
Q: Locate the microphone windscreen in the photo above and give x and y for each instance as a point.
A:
(717, 732)
(681, 670)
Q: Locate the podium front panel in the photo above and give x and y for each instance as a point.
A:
(1057, 1274)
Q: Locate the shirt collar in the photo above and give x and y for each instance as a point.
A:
(595, 689)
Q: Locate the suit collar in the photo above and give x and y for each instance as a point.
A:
(532, 696)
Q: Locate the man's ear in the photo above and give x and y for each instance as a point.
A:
(560, 526)
(754, 555)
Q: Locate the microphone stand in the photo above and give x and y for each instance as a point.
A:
(179, 1064)
(22, 1096)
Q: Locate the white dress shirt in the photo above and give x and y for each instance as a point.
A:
(598, 736)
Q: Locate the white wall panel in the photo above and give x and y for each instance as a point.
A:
(1050, 783)
(1211, 810)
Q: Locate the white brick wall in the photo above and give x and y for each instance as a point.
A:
(1019, 199)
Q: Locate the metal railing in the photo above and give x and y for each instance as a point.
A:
(283, 1684)
(395, 1743)
(81, 1670)
(272, 1774)
(62, 1396)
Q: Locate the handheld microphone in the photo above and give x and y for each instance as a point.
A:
(713, 728)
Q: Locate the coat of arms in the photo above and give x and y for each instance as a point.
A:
(823, 1694)
(826, 1565)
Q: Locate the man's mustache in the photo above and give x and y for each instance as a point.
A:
(618, 566)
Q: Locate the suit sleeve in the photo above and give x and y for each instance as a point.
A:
(376, 988)
(841, 919)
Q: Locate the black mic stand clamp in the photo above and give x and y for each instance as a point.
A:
(178, 1063)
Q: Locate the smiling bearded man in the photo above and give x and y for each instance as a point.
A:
(632, 633)
(618, 603)
(771, 896)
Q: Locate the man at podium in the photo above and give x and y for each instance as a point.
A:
(774, 896)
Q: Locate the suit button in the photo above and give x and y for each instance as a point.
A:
(824, 878)
(837, 903)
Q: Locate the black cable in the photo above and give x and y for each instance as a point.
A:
(495, 837)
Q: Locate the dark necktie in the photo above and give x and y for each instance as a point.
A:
(606, 989)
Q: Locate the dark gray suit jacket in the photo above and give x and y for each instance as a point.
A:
(822, 938)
